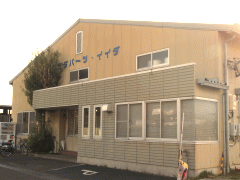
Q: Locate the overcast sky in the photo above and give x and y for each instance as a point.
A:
(27, 25)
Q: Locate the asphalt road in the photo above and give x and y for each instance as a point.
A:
(29, 167)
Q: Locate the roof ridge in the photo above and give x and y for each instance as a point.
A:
(177, 25)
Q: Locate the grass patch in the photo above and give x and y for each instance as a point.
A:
(233, 174)
(204, 174)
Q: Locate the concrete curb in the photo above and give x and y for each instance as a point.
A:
(61, 157)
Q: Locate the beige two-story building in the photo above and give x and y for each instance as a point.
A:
(125, 87)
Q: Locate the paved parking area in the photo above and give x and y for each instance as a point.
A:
(83, 171)
(71, 170)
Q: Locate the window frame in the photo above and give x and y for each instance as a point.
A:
(178, 119)
(156, 66)
(81, 42)
(178, 109)
(218, 104)
(84, 107)
(78, 80)
(94, 122)
(29, 113)
(143, 121)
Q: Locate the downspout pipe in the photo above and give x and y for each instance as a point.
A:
(224, 129)
(227, 107)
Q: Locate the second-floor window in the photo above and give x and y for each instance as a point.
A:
(79, 39)
(153, 59)
(80, 74)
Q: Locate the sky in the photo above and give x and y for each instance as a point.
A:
(29, 25)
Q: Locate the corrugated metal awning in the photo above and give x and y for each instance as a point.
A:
(213, 83)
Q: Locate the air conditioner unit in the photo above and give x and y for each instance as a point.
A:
(107, 107)
(232, 129)
(238, 129)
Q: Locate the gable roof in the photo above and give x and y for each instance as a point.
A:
(194, 26)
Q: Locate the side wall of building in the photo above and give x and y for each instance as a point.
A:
(19, 100)
(217, 51)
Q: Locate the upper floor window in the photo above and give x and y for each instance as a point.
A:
(153, 59)
(79, 74)
(79, 39)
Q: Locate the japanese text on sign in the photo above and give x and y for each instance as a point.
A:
(85, 58)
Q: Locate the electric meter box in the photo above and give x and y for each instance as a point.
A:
(7, 132)
(232, 102)
(232, 129)
(238, 129)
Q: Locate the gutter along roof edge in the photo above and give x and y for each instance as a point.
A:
(194, 26)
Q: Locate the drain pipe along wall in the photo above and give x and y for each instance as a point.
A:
(226, 166)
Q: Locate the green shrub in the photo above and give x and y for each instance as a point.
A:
(37, 142)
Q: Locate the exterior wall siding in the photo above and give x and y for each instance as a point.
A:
(138, 87)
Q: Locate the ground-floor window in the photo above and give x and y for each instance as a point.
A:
(73, 122)
(161, 119)
(201, 120)
(129, 122)
(85, 121)
(97, 121)
(25, 122)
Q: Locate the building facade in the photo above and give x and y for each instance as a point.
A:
(126, 87)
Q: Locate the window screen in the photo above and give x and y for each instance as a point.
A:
(153, 112)
(169, 119)
(187, 107)
(200, 120)
(122, 120)
(206, 119)
(135, 120)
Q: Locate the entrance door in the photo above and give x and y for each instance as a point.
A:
(72, 130)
